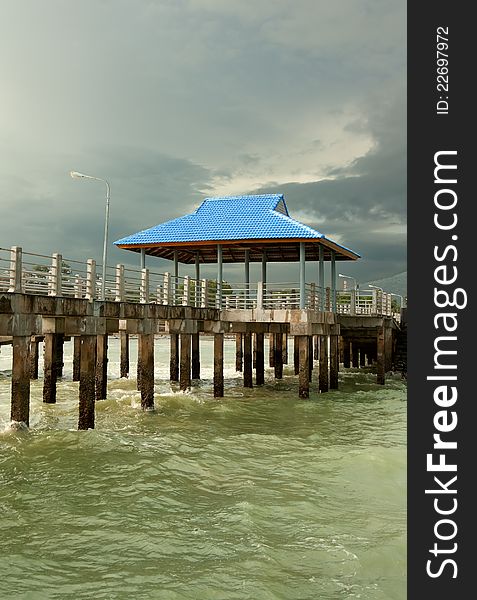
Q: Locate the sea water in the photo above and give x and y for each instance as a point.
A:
(254, 496)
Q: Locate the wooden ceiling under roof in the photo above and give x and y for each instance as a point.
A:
(233, 251)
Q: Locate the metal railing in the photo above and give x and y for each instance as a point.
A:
(365, 302)
(30, 273)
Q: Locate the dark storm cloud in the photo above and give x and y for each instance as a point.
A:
(363, 204)
(146, 188)
(173, 100)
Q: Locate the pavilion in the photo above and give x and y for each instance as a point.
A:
(241, 229)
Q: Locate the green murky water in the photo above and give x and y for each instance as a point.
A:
(257, 495)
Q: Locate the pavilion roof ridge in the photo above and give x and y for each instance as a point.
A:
(244, 202)
(314, 232)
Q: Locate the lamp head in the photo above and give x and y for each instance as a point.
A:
(76, 175)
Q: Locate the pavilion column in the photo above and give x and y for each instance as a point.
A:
(197, 266)
(247, 360)
(264, 269)
(278, 355)
(333, 281)
(238, 352)
(262, 303)
(175, 283)
(302, 275)
(321, 276)
(197, 279)
(247, 276)
(196, 355)
(174, 357)
(259, 361)
(143, 258)
(323, 378)
(219, 275)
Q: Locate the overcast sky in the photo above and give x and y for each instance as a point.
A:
(176, 100)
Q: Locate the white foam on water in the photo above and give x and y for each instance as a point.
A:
(13, 426)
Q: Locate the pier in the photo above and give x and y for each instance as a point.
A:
(53, 299)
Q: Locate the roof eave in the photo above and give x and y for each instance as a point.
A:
(341, 252)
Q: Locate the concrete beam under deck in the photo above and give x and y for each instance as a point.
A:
(22, 315)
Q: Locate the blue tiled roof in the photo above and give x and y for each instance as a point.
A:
(257, 217)
(228, 218)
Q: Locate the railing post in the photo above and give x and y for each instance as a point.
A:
(388, 304)
(91, 279)
(302, 275)
(352, 306)
(203, 293)
(186, 291)
(54, 283)
(260, 295)
(166, 288)
(78, 287)
(16, 270)
(328, 299)
(198, 293)
(144, 292)
(313, 296)
(119, 283)
(374, 303)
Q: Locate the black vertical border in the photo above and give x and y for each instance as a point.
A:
(428, 133)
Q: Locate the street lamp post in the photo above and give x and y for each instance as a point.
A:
(353, 294)
(349, 277)
(399, 296)
(77, 175)
(375, 300)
